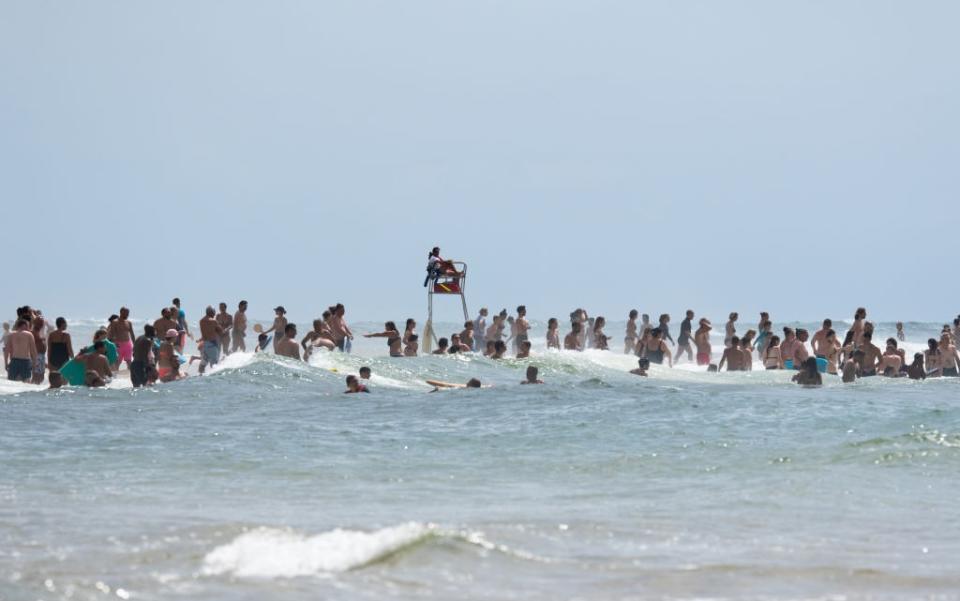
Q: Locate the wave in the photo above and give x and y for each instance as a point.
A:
(268, 553)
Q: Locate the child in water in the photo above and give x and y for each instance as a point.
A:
(553, 334)
(900, 335)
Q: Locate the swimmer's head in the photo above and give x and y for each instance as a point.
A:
(210, 311)
(365, 373)
(473, 383)
(532, 372)
(633, 314)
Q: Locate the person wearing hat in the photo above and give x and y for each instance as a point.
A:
(702, 339)
(167, 355)
(278, 327)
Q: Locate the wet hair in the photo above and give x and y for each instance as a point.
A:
(491, 344)
(802, 332)
(532, 372)
(892, 342)
(932, 344)
(61, 322)
(243, 303)
(410, 321)
(291, 327)
(364, 370)
(810, 366)
(644, 363)
(712, 368)
(165, 312)
(99, 344)
(149, 331)
(443, 343)
(633, 314)
(352, 379)
(473, 383)
(734, 341)
(124, 311)
(656, 332)
(113, 318)
(664, 317)
(500, 345)
(787, 331)
(222, 306)
(522, 309)
(860, 313)
(552, 322)
(848, 338)
(56, 379)
(599, 323)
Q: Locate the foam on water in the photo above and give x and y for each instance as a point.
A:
(275, 553)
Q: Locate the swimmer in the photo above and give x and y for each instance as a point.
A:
(143, 371)
(456, 343)
(167, 357)
(56, 380)
(226, 324)
(317, 337)
(354, 385)
(763, 339)
(120, 333)
(800, 352)
(471, 383)
(731, 329)
(239, 331)
(480, 330)
(6, 351)
(443, 346)
(916, 371)
(365, 373)
(491, 348)
(809, 376)
(409, 330)
(702, 339)
(665, 328)
(211, 334)
(851, 367)
(858, 327)
(522, 327)
(630, 340)
(262, 341)
(412, 347)
(338, 325)
(820, 338)
(772, 358)
(553, 334)
(288, 346)
(746, 350)
(394, 339)
(900, 335)
(764, 318)
(165, 323)
(97, 363)
(524, 352)
(279, 326)
(732, 356)
(787, 347)
(932, 357)
(466, 336)
(499, 349)
(949, 359)
(871, 356)
(571, 342)
(831, 346)
(532, 373)
(645, 326)
(40, 361)
(600, 340)
(685, 336)
(59, 346)
(641, 370)
(22, 349)
(656, 350)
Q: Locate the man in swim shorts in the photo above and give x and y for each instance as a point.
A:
(22, 348)
(142, 368)
(165, 323)
(288, 347)
(871, 356)
(239, 331)
(702, 340)
(522, 328)
(226, 324)
(211, 333)
(820, 338)
(120, 333)
(683, 339)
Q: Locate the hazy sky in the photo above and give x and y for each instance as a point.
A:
(800, 157)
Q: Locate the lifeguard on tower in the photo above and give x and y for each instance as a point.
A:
(443, 277)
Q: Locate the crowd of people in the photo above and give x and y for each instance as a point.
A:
(34, 349)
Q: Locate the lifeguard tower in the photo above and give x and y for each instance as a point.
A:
(446, 284)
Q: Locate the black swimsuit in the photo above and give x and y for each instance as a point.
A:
(58, 355)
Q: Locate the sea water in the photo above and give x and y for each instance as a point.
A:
(262, 480)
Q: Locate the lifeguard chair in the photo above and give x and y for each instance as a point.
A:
(444, 284)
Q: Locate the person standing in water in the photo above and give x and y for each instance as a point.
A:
(182, 326)
(859, 327)
(480, 330)
(279, 326)
(143, 369)
(522, 327)
(59, 346)
(702, 339)
(239, 332)
(683, 340)
(288, 345)
(22, 348)
(210, 333)
(120, 333)
(900, 335)
(226, 324)
(338, 325)
(394, 339)
(630, 339)
(731, 329)
(553, 333)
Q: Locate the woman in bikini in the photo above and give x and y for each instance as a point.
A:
(394, 339)
(772, 358)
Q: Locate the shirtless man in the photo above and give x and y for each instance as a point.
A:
(858, 328)
(120, 333)
(457, 343)
(96, 362)
(338, 325)
(288, 346)
(787, 348)
(318, 336)
(871, 356)
(702, 339)
(731, 329)
(211, 334)
(820, 338)
(893, 358)
(800, 353)
(165, 323)
(226, 324)
(443, 347)
(522, 327)
(143, 372)
(571, 342)
(22, 347)
(630, 340)
(949, 359)
(524, 351)
(279, 326)
(683, 339)
(466, 336)
(239, 331)
(732, 356)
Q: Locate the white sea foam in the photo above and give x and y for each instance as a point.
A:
(275, 553)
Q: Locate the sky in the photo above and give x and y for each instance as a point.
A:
(795, 157)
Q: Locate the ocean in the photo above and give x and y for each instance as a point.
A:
(262, 480)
